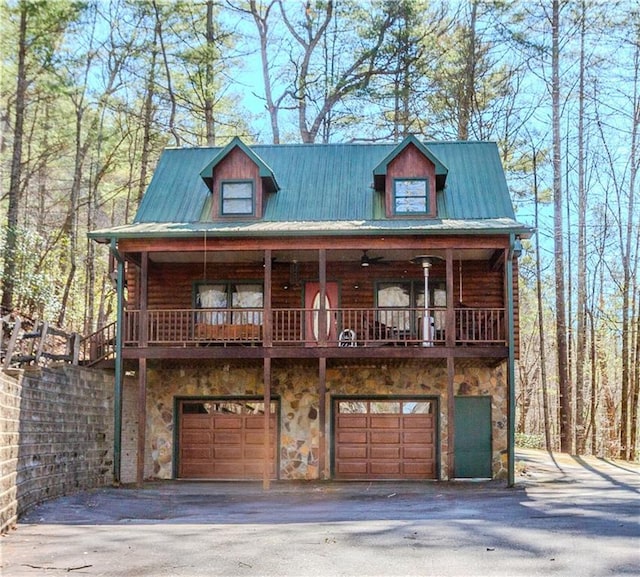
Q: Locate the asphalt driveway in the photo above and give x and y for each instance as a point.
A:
(566, 516)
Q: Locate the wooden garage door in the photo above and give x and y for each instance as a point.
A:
(225, 439)
(390, 439)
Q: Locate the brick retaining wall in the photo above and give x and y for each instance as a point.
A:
(56, 428)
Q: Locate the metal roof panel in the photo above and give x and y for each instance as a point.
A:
(330, 182)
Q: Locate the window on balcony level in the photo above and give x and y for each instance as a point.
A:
(400, 304)
(236, 303)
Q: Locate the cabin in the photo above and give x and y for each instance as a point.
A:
(316, 312)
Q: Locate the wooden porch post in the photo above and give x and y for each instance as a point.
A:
(511, 361)
(322, 313)
(322, 417)
(450, 336)
(142, 369)
(450, 316)
(144, 299)
(267, 331)
(451, 417)
(142, 420)
(118, 376)
(266, 471)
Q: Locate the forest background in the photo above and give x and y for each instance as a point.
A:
(91, 91)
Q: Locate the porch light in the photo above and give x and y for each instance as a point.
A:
(517, 247)
(426, 261)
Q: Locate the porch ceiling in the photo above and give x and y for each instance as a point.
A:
(289, 256)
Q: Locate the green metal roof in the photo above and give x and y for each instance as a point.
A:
(326, 187)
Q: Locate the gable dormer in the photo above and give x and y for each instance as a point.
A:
(239, 181)
(409, 177)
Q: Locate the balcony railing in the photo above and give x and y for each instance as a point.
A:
(301, 327)
(344, 327)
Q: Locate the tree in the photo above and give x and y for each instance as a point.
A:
(41, 25)
(9, 269)
(564, 385)
(262, 16)
(355, 61)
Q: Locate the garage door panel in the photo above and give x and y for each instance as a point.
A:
(385, 440)
(227, 438)
(254, 422)
(255, 469)
(418, 422)
(198, 453)
(419, 469)
(385, 437)
(379, 452)
(352, 421)
(350, 468)
(227, 422)
(387, 468)
(352, 437)
(201, 469)
(230, 446)
(197, 437)
(196, 422)
(254, 452)
(417, 437)
(422, 452)
(384, 422)
(227, 453)
(351, 452)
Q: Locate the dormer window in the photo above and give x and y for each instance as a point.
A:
(237, 198)
(410, 196)
(410, 176)
(239, 181)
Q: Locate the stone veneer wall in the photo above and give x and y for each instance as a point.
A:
(56, 426)
(295, 384)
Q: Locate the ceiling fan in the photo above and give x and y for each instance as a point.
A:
(367, 260)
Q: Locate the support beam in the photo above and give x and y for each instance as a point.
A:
(143, 293)
(266, 471)
(142, 420)
(322, 313)
(267, 330)
(322, 418)
(119, 374)
(450, 318)
(451, 418)
(511, 362)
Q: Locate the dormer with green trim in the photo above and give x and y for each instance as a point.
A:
(238, 180)
(410, 176)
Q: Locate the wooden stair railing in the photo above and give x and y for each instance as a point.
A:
(99, 346)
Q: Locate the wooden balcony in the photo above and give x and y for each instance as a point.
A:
(351, 329)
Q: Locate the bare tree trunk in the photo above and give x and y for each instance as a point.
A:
(564, 385)
(308, 134)
(628, 270)
(593, 409)
(171, 94)
(543, 362)
(148, 114)
(9, 267)
(581, 312)
(466, 98)
(262, 24)
(209, 120)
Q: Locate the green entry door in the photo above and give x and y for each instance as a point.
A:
(472, 437)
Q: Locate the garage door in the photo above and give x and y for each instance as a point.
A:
(225, 439)
(384, 439)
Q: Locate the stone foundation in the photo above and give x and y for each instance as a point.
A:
(295, 385)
